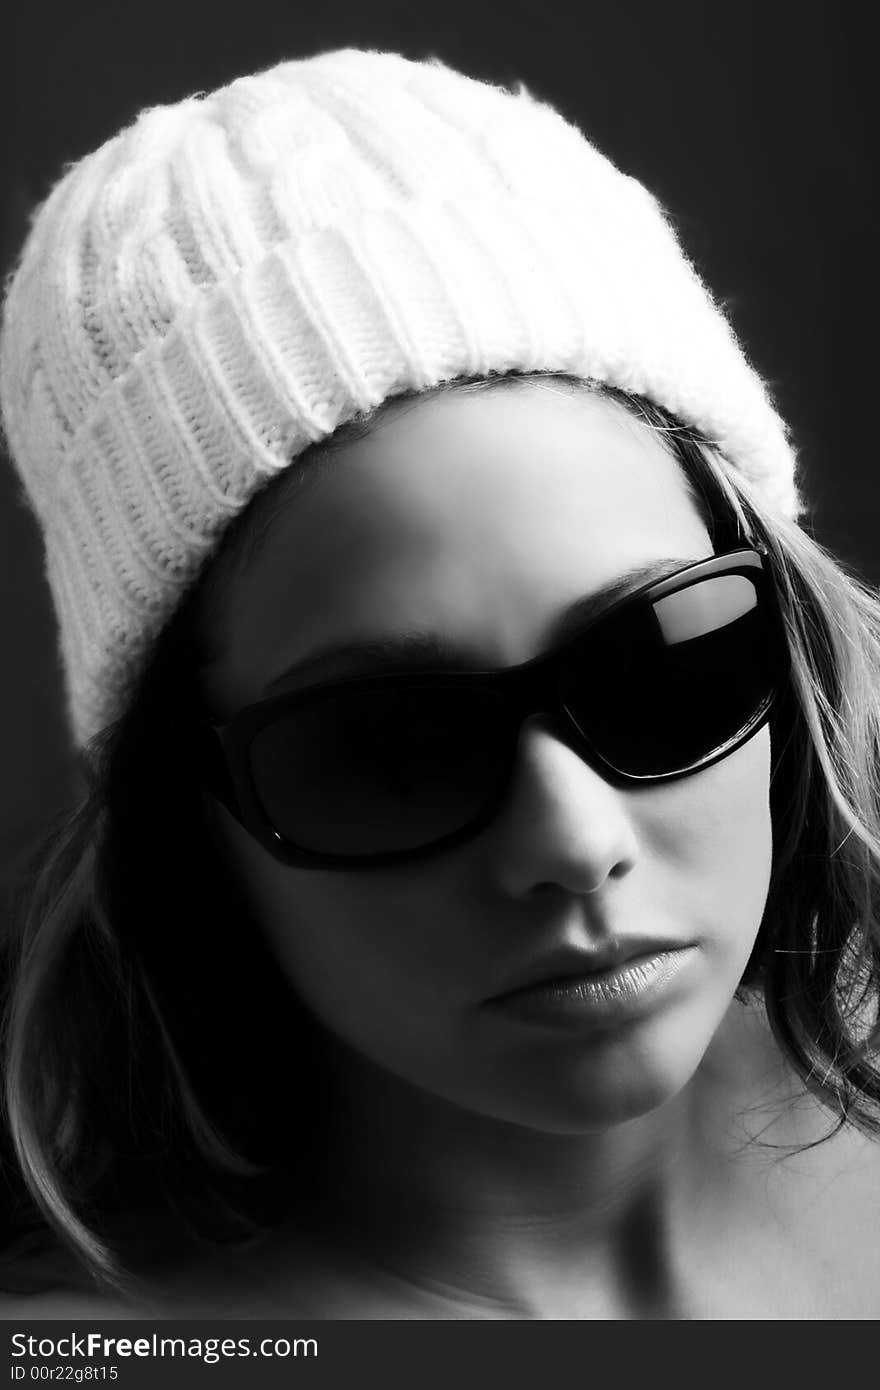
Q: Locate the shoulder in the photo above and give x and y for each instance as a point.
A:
(820, 1208)
(40, 1279)
(286, 1275)
(839, 1221)
(797, 1200)
(64, 1304)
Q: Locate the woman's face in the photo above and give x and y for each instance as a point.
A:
(479, 517)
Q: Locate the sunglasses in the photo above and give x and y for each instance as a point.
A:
(376, 770)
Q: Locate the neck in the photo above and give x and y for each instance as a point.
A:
(484, 1214)
(469, 1212)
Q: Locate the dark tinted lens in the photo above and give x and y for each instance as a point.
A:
(363, 772)
(663, 686)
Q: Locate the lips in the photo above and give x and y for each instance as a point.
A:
(558, 967)
(615, 997)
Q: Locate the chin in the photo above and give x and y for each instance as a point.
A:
(610, 1084)
(605, 1106)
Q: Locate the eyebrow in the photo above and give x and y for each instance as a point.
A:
(423, 651)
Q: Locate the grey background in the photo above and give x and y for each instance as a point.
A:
(754, 123)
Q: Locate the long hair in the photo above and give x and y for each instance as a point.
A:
(147, 1025)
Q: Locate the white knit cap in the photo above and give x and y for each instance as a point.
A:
(233, 276)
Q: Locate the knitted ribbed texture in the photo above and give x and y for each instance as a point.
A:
(233, 276)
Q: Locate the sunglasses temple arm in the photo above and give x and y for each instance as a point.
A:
(214, 769)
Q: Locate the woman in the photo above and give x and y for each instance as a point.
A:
(473, 912)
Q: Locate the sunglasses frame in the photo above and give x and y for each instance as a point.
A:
(533, 687)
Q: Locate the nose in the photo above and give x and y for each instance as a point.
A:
(561, 823)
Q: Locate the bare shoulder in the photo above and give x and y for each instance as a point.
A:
(840, 1220)
(43, 1281)
(810, 1245)
(282, 1274)
(789, 1204)
(286, 1275)
(64, 1304)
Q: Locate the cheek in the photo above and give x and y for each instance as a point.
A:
(353, 946)
(715, 835)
